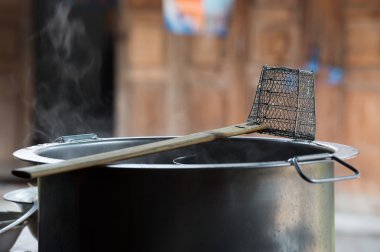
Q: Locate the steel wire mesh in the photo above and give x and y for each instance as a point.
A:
(285, 101)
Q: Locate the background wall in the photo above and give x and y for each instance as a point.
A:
(16, 78)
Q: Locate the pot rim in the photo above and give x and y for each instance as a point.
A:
(341, 151)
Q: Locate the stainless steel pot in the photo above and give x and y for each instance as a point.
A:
(246, 195)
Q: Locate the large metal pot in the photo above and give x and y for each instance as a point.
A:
(246, 195)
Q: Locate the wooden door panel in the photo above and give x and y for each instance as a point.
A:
(15, 79)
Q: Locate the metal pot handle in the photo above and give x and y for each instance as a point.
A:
(325, 156)
(22, 218)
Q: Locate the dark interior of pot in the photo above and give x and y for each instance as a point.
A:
(231, 150)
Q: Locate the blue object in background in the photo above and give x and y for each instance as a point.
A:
(335, 76)
(197, 17)
(314, 63)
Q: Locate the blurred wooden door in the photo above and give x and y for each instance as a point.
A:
(170, 84)
(15, 78)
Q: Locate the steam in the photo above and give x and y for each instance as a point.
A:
(68, 78)
(64, 35)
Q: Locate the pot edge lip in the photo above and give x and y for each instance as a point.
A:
(31, 154)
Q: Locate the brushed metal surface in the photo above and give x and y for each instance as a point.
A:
(249, 199)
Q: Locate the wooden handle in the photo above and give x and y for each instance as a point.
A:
(136, 151)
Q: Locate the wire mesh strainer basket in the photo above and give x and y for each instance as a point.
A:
(291, 112)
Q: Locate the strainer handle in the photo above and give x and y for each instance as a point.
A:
(318, 157)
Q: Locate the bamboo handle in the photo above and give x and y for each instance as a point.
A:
(136, 151)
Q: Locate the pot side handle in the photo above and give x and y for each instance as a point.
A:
(318, 157)
(20, 220)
